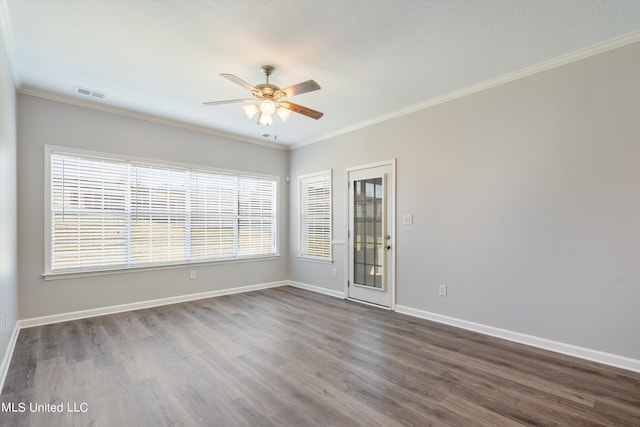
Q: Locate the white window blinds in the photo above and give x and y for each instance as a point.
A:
(88, 199)
(315, 215)
(256, 216)
(159, 211)
(110, 213)
(214, 216)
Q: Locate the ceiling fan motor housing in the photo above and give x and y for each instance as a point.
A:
(267, 89)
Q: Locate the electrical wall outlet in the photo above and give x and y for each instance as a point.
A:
(334, 273)
(442, 291)
(192, 275)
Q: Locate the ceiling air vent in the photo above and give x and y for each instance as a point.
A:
(89, 92)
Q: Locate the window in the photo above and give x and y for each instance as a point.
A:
(315, 215)
(108, 213)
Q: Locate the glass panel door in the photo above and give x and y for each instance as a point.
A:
(368, 233)
(370, 253)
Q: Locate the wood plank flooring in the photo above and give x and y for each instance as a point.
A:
(289, 357)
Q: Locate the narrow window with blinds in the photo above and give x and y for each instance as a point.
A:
(116, 213)
(315, 215)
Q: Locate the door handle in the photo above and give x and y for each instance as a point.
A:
(388, 247)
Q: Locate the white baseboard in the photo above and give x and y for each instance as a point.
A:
(317, 289)
(558, 347)
(546, 344)
(101, 311)
(568, 349)
(6, 360)
(83, 314)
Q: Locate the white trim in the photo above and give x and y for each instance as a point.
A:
(52, 275)
(46, 212)
(363, 302)
(49, 148)
(101, 311)
(143, 116)
(390, 162)
(571, 350)
(315, 259)
(488, 84)
(543, 343)
(328, 172)
(317, 289)
(6, 360)
(301, 178)
(170, 266)
(392, 221)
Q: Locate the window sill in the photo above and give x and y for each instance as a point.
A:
(119, 270)
(318, 260)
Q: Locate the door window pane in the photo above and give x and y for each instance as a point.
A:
(368, 232)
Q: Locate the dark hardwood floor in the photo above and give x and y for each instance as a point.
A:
(288, 357)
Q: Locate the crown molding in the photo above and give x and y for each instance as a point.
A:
(143, 116)
(488, 84)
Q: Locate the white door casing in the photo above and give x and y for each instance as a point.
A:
(370, 223)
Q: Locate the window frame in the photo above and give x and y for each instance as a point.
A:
(301, 245)
(49, 274)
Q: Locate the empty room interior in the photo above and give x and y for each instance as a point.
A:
(301, 213)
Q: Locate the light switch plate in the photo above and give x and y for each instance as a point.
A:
(407, 219)
(442, 290)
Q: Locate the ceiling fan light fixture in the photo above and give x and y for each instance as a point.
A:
(268, 106)
(250, 110)
(283, 113)
(269, 99)
(265, 119)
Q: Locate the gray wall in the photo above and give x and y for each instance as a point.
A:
(526, 203)
(42, 121)
(8, 203)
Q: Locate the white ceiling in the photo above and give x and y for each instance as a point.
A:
(373, 59)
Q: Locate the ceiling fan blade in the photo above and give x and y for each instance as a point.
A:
(230, 101)
(305, 111)
(238, 80)
(304, 87)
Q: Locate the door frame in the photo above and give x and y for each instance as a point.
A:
(391, 202)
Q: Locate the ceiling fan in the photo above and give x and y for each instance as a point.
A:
(268, 98)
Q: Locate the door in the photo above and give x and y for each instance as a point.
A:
(371, 218)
